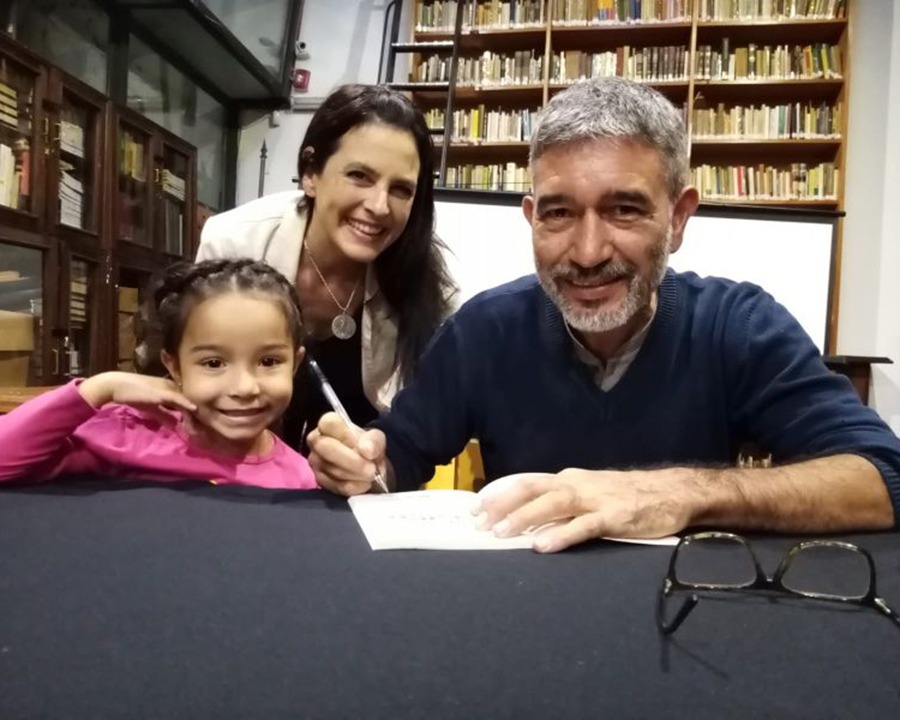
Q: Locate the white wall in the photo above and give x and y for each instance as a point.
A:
(869, 317)
(344, 42)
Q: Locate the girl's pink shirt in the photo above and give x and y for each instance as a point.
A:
(60, 433)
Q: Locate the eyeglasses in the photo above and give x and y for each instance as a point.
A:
(828, 570)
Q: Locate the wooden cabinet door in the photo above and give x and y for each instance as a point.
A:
(175, 202)
(27, 315)
(24, 130)
(77, 159)
(132, 193)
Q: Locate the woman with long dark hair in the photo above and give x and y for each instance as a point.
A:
(358, 242)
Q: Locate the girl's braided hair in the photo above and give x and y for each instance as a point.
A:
(173, 294)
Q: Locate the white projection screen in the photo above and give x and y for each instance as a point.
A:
(789, 253)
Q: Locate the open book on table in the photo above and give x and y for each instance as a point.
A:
(437, 520)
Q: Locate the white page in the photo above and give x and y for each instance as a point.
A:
(437, 520)
(426, 520)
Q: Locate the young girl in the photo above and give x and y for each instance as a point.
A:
(229, 333)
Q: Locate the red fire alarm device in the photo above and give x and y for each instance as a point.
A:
(300, 80)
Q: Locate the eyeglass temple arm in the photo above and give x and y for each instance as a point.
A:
(882, 606)
(687, 605)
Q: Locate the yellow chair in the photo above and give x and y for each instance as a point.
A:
(464, 472)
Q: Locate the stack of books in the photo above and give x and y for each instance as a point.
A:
(9, 106)
(173, 185)
(71, 138)
(71, 198)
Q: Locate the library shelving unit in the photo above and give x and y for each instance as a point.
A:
(93, 199)
(762, 85)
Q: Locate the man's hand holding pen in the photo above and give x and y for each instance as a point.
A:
(345, 457)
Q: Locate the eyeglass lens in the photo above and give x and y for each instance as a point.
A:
(829, 570)
(714, 560)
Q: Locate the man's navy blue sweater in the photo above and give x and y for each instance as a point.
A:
(723, 364)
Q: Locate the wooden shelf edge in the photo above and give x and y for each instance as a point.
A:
(772, 22)
(769, 203)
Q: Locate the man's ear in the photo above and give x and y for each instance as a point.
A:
(298, 358)
(528, 207)
(685, 206)
(171, 364)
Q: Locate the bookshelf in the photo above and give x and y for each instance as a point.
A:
(762, 85)
(93, 197)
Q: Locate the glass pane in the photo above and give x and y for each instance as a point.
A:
(77, 343)
(132, 285)
(16, 130)
(132, 190)
(77, 181)
(21, 288)
(174, 213)
(72, 34)
(161, 93)
(207, 134)
(259, 26)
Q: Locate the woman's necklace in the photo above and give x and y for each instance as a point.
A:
(343, 325)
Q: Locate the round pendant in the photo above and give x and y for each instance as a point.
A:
(343, 326)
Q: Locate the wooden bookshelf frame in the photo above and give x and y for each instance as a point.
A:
(692, 34)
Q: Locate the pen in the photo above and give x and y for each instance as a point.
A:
(335, 402)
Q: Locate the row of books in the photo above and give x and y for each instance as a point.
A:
(173, 184)
(792, 120)
(479, 125)
(649, 64)
(519, 68)
(441, 15)
(764, 182)
(818, 60)
(761, 182)
(724, 10)
(789, 121)
(583, 12)
(501, 176)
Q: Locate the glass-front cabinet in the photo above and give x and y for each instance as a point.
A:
(23, 131)
(94, 198)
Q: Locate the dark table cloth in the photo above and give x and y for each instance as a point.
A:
(212, 602)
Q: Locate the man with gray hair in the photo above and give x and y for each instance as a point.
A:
(624, 387)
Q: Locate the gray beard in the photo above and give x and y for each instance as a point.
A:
(599, 320)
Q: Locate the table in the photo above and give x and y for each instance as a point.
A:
(12, 397)
(215, 602)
